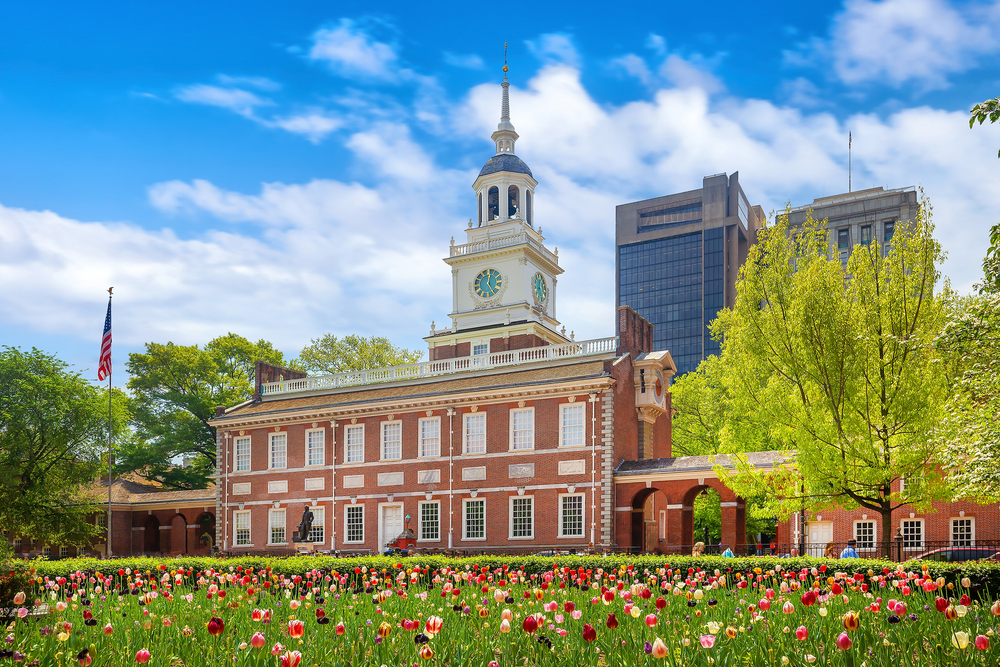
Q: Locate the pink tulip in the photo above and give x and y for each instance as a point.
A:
(982, 642)
(142, 655)
(764, 604)
(22, 612)
(801, 633)
(788, 607)
(659, 649)
(277, 649)
(844, 642)
(576, 614)
(257, 641)
(707, 641)
(651, 620)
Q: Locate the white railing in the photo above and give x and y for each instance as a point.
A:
(503, 242)
(428, 369)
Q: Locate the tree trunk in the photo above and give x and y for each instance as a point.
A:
(887, 533)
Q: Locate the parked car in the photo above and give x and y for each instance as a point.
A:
(960, 554)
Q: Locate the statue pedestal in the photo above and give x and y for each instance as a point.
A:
(305, 547)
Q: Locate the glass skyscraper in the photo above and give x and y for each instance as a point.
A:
(677, 261)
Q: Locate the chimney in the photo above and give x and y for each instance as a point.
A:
(635, 334)
(265, 372)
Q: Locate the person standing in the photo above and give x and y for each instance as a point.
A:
(849, 551)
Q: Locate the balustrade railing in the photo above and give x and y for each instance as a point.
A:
(427, 369)
(502, 242)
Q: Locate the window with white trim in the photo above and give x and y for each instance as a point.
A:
(242, 454)
(430, 521)
(392, 441)
(46, 551)
(17, 543)
(571, 515)
(913, 533)
(475, 433)
(354, 437)
(663, 524)
(522, 428)
(276, 526)
(474, 519)
(430, 436)
(522, 517)
(864, 534)
(317, 532)
(316, 447)
(963, 532)
(241, 524)
(571, 429)
(355, 522)
(102, 521)
(480, 348)
(279, 450)
(63, 551)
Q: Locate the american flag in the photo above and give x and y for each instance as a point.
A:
(104, 367)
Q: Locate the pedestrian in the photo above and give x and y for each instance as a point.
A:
(849, 551)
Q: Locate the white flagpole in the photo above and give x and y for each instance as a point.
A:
(109, 441)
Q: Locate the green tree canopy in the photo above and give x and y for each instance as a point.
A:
(53, 445)
(839, 364)
(329, 354)
(175, 389)
(988, 110)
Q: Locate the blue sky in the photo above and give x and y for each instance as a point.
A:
(282, 173)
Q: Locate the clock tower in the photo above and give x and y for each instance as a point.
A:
(503, 276)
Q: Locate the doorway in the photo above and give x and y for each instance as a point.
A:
(390, 524)
(820, 532)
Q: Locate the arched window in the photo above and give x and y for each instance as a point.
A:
(479, 199)
(513, 205)
(527, 206)
(493, 204)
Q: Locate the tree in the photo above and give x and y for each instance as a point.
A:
(53, 440)
(990, 109)
(329, 354)
(972, 421)
(175, 390)
(839, 364)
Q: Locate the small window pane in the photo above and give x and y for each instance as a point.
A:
(317, 534)
(279, 447)
(277, 523)
(864, 533)
(475, 434)
(475, 519)
(242, 454)
(913, 534)
(866, 234)
(355, 523)
(392, 443)
(430, 521)
(482, 348)
(522, 517)
(242, 521)
(572, 516)
(523, 434)
(355, 444)
(430, 437)
(316, 444)
(961, 532)
(572, 426)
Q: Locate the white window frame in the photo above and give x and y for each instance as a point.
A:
(47, 551)
(382, 441)
(101, 521)
(663, 525)
(318, 528)
(475, 416)
(583, 515)
(64, 551)
(237, 442)
(420, 437)
(322, 447)
(271, 437)
(420, 521)
(465, 515)
(475, 345)
(272, 513)
(236, 528)
(17, 542)
(563, 409)
(972, 528)
(515, 500)
(923, 536)
(347, 524)
(874, 543)
(348, 445)
(525, 411)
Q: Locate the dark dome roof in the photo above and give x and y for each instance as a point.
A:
(505, 162)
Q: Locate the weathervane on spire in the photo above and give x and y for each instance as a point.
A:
(505, 68)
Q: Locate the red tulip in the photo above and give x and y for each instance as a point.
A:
(589, 633)
(296, 629)
(426, 652)
(764, 604)
(142, 655)
(661, 603)
(530, 624)
(801, 633)
(433, 625)
(612, 622)
(940, 604)
(257, 641)
(216, 627)
(995, 608)
(651, 620)
(108, 630)
(966, 600)
(982, 642)
(844, 642)
(809, 598)
(291, 659)
(836, 589)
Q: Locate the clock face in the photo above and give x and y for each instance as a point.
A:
(658, 385)
(539, 288)
(488, 283)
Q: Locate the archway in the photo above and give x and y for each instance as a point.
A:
(151, 535)
(706, 522)
(178, 534)
(205, 533)
(649, 521)
(714, 499)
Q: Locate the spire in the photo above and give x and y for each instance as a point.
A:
(505, 136)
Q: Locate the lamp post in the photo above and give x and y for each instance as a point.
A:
(898, 539)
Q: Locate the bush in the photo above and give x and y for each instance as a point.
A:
(14, 577)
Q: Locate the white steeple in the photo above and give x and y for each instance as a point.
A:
(505, 136)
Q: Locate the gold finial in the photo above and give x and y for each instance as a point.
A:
(505, 60)
(109, 289)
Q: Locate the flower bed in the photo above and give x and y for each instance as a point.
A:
(402, 613)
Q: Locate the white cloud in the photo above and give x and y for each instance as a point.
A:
(467, 61)
(899, 42)
(259, 82)
(691, 73)
(350, 51)
(313, 125)
(555, 48)
(239, 101)
(656, 43)
(633, 66)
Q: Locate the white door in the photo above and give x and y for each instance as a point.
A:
(391, 525)
(820, 532)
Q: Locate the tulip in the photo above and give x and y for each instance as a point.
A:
(506, 615)
(216, 627)
(505, 626)
(788, 607)
(707, 641)
(764, 604)
(384, 629)
(530, 624)
(940, 604)
(731, 632)
(493, 663)
(19, 598)
(982, 642)
(960, 640)
(589, 633)
(852, 621)
(651, 620)
(297, 628)
(810, 658)
(659, 649)
(291, 659)
(426, 652)
(809, 598)
(844, 642)
(340, 629)
(433, 625)
(277, 649)
(612, 622)
(801, 633)
(257, 641)
(950, 613)
(966, 582)
(142, 655)
(108, 630)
